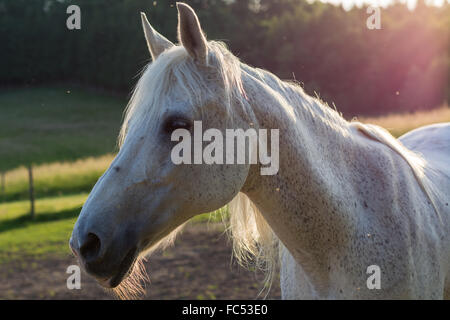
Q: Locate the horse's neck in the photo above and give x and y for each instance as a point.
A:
(309, 202)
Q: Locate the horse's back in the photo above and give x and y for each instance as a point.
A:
(433, 143)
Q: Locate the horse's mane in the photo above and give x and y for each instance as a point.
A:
(254, 242)
(296, 96)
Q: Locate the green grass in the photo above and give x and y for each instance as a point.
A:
(37, 241)
(48, 233)
(55, 178)
(400, 123)
(13, 213)
(41, 125)
(45, 127)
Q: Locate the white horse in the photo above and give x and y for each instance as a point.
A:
(347, 195)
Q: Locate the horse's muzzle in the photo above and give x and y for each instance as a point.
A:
(106, 265)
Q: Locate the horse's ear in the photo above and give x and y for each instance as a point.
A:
(156, 42)
(190, 34)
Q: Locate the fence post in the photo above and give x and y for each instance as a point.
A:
(30, 176)
(2, 186)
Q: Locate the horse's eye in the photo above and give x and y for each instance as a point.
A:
(172, 124)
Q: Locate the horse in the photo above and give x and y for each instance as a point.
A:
(348, 197)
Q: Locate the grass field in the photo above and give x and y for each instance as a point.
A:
(56, 179)
(399, 124)
(70, 138)
(47, 234)
(44, 125)
(68, 135)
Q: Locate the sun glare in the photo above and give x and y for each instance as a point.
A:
(348, 4)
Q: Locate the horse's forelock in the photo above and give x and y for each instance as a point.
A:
(175, 66)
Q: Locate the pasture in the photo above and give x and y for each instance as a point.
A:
(70, 137)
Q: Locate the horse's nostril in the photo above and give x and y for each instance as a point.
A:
(90, 248)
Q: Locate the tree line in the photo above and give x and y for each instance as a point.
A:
(404, 66)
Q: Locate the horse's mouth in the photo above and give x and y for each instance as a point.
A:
(124, 270)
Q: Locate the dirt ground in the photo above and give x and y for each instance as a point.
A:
(199, 266)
